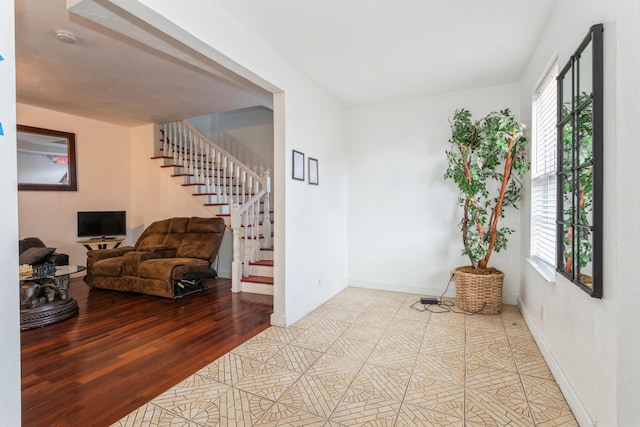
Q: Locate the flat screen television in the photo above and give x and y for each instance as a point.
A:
(102, 224)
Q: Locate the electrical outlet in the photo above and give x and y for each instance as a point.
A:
(319, 282)
(451, 274)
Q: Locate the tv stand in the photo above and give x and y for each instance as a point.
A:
(101, 242)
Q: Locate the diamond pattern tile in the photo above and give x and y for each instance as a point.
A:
(368, 358)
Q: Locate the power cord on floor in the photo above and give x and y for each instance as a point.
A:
(445, 306)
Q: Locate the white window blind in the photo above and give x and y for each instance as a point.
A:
(543, 175)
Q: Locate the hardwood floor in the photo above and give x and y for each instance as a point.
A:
(124, 349)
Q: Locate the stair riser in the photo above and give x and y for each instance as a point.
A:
(256, 288)
(261, 270)
(263, 244)
(213, 199)
(266, 254)
(222, 211)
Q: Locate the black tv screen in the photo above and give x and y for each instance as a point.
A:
(102, 224)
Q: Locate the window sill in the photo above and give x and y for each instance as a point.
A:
(547, 272)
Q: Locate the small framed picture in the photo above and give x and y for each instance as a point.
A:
(313, 171)
(298, 165)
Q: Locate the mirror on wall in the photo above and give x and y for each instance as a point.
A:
(580, 137)
(46, 159)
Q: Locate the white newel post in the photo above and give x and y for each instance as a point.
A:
(236, 264)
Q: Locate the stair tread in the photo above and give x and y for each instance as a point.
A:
(195, 184)
(258, 279)
(265, 262)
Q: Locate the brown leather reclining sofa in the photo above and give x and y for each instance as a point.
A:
(164, 252)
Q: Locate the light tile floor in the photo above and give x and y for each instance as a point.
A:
(367, 358)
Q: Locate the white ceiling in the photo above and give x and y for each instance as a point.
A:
(109, 77)
(360, 51)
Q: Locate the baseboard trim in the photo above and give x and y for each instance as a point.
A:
(224, 274)
(409, 289)
(572, 398)
(278, 320)
(422, 290)
(293, 316)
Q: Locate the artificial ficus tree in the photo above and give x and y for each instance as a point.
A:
(487, 161)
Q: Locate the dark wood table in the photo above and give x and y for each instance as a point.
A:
(44, 300)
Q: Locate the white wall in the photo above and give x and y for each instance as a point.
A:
(103, 172)
(627, 233)
(305, 119)
(249, 135)
(577, 333)
(9, 307)
(254, 146)
(403, 215)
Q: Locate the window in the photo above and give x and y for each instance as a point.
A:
(580, 141)
(543, 172)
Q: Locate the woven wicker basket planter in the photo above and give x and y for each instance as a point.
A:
(479, 293)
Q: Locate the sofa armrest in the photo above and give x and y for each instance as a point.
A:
(98, 254)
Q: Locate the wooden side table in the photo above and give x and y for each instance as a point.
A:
(100, 243)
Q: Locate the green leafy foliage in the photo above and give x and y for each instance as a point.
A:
(580, 209)
(487, 161)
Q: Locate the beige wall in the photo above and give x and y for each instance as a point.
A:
(104, 180)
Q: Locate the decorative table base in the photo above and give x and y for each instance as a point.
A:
(48, 313)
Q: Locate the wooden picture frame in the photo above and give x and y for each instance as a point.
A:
(59, 147)
(313, 171)
(297, 165)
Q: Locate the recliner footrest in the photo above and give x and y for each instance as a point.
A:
(193, 282)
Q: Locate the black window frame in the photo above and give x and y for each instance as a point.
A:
(570, 214)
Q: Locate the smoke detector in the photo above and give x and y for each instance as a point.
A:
(65, 36)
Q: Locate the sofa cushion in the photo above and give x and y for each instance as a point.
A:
(168, 232)
(202, 238)
(34, 255)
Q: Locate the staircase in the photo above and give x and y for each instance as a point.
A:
(229, 189)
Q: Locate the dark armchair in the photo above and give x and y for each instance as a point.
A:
(33, 251)
(163, 254)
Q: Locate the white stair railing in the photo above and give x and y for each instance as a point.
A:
(247, 236)
(217, 171)
(227, 181)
